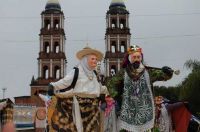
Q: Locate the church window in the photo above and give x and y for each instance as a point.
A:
(56, 47)
(122, 23)
(57, 72)
(122, 47)
(113, 70)
(46, 47)
(47, 24)
(56, 24)
(113, 23)
(113, 46)
(45, 72)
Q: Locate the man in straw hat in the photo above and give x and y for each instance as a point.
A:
(131, 88)
(78, 106)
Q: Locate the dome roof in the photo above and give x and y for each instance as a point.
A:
(52, 5)
(117, 7)
(117, 3)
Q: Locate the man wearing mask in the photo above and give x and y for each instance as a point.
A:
(131, 88)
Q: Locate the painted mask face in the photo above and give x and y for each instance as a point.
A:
(136, 56)
(92, 61)
(135, 59)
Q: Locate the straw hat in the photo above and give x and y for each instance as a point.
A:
(88, 51)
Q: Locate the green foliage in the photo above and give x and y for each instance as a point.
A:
(192, 64)
(191, 86)
(171, 93)
(113, 83)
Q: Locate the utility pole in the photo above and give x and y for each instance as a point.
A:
(4, 90)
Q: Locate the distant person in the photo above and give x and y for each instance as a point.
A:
(171, 117)
(131, 88)
(7, 118)
(78, 106)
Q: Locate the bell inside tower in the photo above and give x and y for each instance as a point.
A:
(57, 72)
(122, 47)
(45, 72)
(47, 24)
(122, 23)
(114, 23)
(113, 47)
(56, 47)
(56, 24)
(46, 47)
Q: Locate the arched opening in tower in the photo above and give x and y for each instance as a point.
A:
(47, 24)
(122, 23)
(56, 47)
(113, 47)
(122, 47)
(45, 73)
(114, 23)
(113, 70)
(56, 24)
(57, 72)
(46, 47)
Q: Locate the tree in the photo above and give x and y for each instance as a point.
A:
(171, 93)
(191, 86)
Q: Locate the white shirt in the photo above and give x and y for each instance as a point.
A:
(83, 85)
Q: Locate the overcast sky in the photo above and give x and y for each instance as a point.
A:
(167, 30)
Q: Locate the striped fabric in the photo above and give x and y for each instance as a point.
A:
(7, 115)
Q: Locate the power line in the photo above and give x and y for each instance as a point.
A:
(169, 14)
(168, 36)
(101, 39)
(75, 17)
(36, 41)
(19, 17)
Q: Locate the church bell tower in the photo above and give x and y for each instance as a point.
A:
(52, 59)
(117, 37)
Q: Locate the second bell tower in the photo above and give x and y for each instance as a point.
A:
(117, 37)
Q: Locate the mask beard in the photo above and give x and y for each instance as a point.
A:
(136, 64)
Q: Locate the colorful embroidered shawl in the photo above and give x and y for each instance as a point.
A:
(137, 111)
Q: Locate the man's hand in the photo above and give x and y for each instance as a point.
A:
(167, 70)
